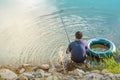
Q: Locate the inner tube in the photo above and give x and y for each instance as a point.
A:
(110, 45)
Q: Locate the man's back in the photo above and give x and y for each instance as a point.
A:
(77, 49)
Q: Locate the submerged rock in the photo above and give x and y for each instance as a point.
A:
(7, 74)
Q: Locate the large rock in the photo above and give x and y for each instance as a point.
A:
(7, 74)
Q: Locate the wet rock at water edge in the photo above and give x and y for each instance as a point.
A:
(7, 74)
(45, 66)
(26, 65)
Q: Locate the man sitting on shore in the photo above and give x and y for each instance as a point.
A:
(77, 48)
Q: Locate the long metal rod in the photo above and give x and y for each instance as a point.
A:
(64, 27)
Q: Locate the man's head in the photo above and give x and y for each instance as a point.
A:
(78, 35)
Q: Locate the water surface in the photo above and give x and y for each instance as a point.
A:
(32, 30)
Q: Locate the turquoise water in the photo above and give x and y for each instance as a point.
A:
(32, 30)
(100, 18)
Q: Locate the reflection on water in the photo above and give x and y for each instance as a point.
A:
(32, 31)
(24, 35)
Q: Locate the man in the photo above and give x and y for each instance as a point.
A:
(77, 48)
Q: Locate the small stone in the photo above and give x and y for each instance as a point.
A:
(22, 70)
(106, 78)
(76, 72)
(95, 71)
(80, 71)
(7, 74)
(92, 76)
(36, 79)
(111, 75)
(26, 65)
(104, 71)
(45, 66)
(87, 72)
(39, 73)
(51, 70)
(52, 78)
(69, 78)
(117, 76)
(64, 77)
(47, 74)
(22, 77)
(28, 75)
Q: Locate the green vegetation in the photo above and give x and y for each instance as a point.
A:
(111, 65)
(108, 63)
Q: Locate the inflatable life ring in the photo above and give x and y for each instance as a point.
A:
(111, 47)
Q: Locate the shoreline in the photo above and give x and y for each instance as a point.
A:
(47, 72)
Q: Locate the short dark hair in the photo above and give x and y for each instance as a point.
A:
(78, 35)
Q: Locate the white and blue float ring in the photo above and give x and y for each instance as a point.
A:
(102, 41)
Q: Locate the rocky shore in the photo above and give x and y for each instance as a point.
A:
(46, 72)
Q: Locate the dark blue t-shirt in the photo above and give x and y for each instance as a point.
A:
(78, 51)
